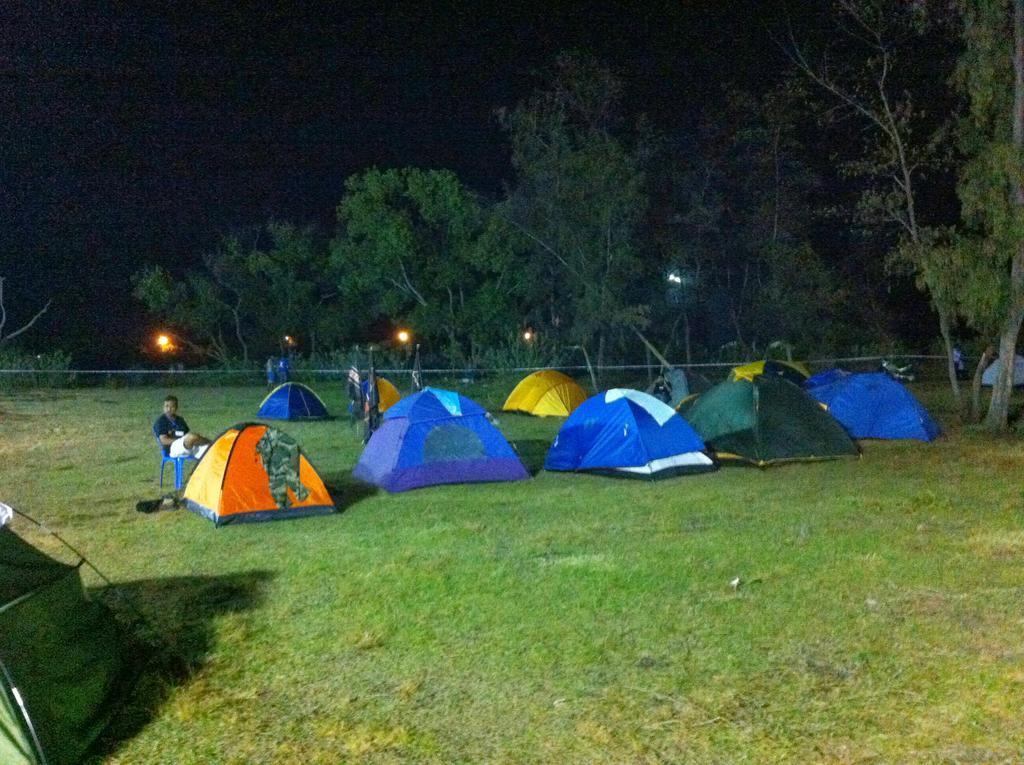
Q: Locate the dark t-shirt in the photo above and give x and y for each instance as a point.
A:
(165, 426)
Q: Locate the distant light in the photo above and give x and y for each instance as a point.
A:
(163, 342)
(674, 277)
(403, 336)
(528, 335)
(289, 340)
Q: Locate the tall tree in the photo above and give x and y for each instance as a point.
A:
(578, 197)
(991, 76)
(415, 246)
(194, 305)
(737, 238)
(294, 294)
(865, 72)
(254, 288)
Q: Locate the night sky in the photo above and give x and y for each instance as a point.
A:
(136, 134)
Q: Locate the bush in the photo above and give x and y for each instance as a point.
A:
(25, 370)
(516, 353)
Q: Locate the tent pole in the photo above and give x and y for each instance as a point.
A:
(24, 713)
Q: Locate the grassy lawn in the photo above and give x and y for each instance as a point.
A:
(570, 618)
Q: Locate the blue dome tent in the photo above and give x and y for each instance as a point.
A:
(436, 437)
(827, 377)
(628, 433)
(292, 401)
(873, 405)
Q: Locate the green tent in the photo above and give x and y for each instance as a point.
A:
(766, 420)
(64, 664)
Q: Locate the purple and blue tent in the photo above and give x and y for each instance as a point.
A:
(436, 437)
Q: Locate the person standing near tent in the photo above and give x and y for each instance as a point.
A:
(174, 435)
(417, 372)
(271, 369)
(371, 403)
(283, 367)
(354, 388)
(959, 363)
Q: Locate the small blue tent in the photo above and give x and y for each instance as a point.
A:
(292, 401)
(873, 405)
(627, 433)
(434, 437)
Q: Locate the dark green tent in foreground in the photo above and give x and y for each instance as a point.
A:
(764, 421)
(64, 665)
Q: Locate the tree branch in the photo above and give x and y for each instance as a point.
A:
(408, 284)
(25, 327)
(796, 55)
(544, 245)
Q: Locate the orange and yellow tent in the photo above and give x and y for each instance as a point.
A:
(254, 472)
(546, 393)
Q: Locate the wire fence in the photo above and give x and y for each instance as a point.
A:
(925, 366)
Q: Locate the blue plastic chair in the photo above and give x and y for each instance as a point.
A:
(179, 466)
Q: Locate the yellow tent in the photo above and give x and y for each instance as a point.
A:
(546, 393)
(387, 394)
(794, 371)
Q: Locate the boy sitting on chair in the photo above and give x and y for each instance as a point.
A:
(172, 432)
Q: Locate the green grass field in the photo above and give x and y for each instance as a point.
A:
(567, 619)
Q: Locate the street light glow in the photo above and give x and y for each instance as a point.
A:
(403, 336)
(528, 335)
(163, 342)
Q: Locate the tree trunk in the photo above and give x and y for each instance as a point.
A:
(734, 315)
(686, 336)
(238, 331)
(1002, 390)
(983, 362)
(947, 339)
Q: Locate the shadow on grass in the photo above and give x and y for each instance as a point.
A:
(532, 452)
(346, 490)
(173, 641)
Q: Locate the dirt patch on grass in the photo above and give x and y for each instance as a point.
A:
(999, 545)
(925, 603)
(10, 415)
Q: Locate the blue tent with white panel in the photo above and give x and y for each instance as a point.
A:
(873, 405)
(627, 433)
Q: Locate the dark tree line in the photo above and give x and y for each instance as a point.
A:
(782, 219)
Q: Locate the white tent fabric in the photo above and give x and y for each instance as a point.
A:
(988, 377)
(659, 410)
